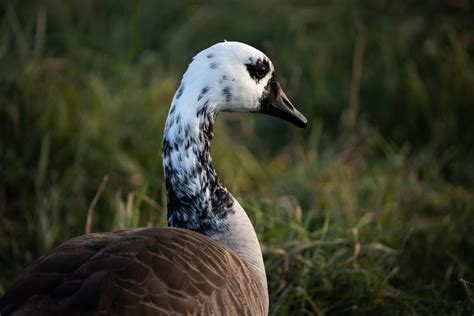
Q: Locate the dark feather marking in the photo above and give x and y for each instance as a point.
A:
(223, 79)
(173, 108)
(213, 65)
(187, 131)
(180, 91)
(203, 93)
(228, 95)
(201, 109)
(166, 148)
(259, 69)
(191, 209)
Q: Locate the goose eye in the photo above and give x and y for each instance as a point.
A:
(258, 70)
(261, 70)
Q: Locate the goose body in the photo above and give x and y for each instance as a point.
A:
(137, 272)
(209, 261)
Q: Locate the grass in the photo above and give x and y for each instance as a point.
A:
(370, 210)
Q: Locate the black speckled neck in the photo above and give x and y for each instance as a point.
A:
(196, 198)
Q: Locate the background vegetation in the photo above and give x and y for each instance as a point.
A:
(370, 210)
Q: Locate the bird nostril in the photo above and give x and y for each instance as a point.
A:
(288, 103)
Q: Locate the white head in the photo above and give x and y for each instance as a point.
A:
(234, 77)
(228, 76)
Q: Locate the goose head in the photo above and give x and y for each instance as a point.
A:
(235, 77)
(226, 77)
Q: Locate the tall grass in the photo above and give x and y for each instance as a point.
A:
(368, 211)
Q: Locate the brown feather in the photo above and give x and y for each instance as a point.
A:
(151, 271)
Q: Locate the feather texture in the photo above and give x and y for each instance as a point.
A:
(151, 271)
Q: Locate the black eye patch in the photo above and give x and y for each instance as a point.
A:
(259, 69)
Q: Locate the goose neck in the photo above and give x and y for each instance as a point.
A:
(196, 198)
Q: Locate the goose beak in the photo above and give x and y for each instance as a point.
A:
(276, 103)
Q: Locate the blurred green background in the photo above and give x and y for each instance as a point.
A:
(370, 210)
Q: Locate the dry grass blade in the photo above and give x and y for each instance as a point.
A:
(90, 211)
(466, 285)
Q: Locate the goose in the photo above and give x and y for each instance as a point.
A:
(208, 261)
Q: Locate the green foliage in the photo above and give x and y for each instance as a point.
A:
(370, 210)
